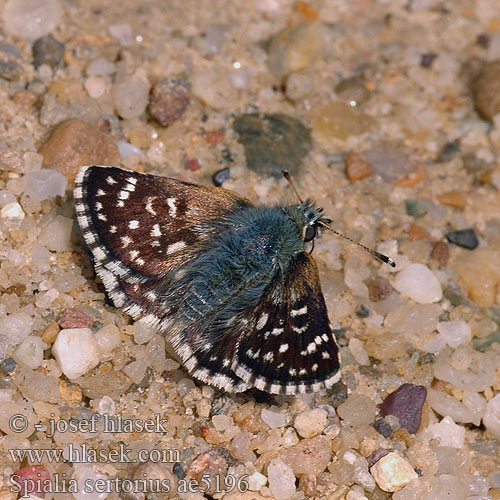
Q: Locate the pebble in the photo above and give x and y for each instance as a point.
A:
(357, 348)
(122, 32)
(309, 456)
(308, 484)
(29, 352)
(491, 418)
(392, 472)
(12, 211)
(221, 176)
(214, 88)
(406, 403)
(353, 91)
(6, 198)
(125, 149)
(16, 327)
(479, 273)
(389, 161)
(153, 473)
(48, 50)
(295, 48)
(357, 409)
(281, 480)
(131, 96)
(106, 406)
(273, 142)
(45, 184)
(85, 475)
(8, 365)
(465, 238)
(256, 481)
(449, 433)
(455, 332)
(74, 143)
(76, 350)
(486, 89)
(338, 120)
(427, 60)
(419, 283)
(95, 86)
(108, 339)
(222, 422)
(310, 422)
(169, 100)
(212, 462)
(447, 405)
(142, 333)
(56, 235)
(273, 419)
(356, 167)
(379, 288)
(31, 19)
(440, 253)
(299, 85)
(415, 209)
(31, 480)
(450, 150)
(136, 370)
(76, 318)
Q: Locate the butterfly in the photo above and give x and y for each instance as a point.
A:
(231, 285)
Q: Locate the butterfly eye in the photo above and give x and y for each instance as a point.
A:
(310, 233)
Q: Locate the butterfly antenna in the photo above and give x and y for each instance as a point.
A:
(377, 255)
(288, 177)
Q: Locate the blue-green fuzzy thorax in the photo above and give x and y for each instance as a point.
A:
(253, 248)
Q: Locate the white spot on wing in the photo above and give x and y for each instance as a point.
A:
(102, 217)
(325, 355)
(149, 205)
(110, 180)
(298, 312)
(172, 210)
(112, 229)
(262, 321)
(268, 356)
(100, 192)
(132, 180)
(126, 240)
(133, 224)
(123, 195)
(311, 348)
(175, 247)
(283, 347)
(134, 254)
(156, 230)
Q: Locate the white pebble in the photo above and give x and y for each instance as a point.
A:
(15, 327)
(222, 422)
(100, 67)
(16, 258)
(76, 350)
(393, 472)
(31, 19)
(256, 481)
(143, 333)
(491, 419)
(455, 332)
(357, 348)
(126, 149)
(108, 338)
(95, 86)
(136, 370)
(56, 235)
(447, 405)
(86, 476)
(131, 96)
(419, 283)
(6, 197)
(29, 352)
(449, 433)
(122, 32)
(273, 419)
(106, 406)
(12, 211)
(45, 184)
(184, 386)
(281, 480)
(310, 422)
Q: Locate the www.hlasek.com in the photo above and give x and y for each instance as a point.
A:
(79, 483)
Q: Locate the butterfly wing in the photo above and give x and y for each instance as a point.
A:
(289, 346)
(139, 227)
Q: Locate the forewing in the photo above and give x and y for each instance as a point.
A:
(288, 346)
(140, 226)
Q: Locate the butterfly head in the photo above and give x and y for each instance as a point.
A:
(309, 220)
